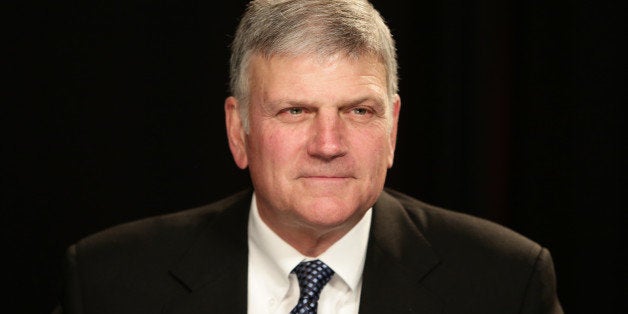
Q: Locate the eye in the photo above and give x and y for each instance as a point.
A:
(293, 114)
(360, 111)
(295, 111)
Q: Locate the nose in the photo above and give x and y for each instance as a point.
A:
(327, 141)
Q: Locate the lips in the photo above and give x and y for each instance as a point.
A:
(327, 180)
(326, 176)
(330, 180)
(328, 184)
(327, 172)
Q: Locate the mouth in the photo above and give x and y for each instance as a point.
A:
(326, 175)
(331, 179)
(335, 175)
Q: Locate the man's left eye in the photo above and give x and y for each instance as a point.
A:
(360, 111)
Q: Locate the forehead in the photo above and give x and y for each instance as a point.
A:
(310, 76)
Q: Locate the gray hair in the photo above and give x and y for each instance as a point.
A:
(309, 27)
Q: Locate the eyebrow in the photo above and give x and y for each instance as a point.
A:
(306, 103)
(377, 100)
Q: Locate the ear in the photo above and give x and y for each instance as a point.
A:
(235, 132)
(393, 132)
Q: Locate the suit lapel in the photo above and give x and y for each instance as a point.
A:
(398, 257)
(214, 270)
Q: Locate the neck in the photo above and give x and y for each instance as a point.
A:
(312, 243)
(309, 240)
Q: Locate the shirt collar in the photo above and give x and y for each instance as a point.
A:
(346, 257)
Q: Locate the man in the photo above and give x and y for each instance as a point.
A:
(313, 117)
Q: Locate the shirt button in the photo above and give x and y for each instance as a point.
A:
(272, 302)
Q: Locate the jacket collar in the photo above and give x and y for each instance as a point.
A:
(215, 268)
(397, 259)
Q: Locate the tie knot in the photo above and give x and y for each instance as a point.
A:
(312, 275)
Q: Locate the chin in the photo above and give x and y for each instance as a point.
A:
(331, 214)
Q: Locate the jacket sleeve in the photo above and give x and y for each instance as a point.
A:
(540, 295)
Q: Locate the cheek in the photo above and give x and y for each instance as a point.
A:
(373, 144)
(274, 147)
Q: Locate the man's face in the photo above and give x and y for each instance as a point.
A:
(320, 139)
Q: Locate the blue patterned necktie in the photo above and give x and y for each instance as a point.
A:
(313, 276)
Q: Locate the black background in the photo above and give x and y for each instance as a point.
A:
(510, 111)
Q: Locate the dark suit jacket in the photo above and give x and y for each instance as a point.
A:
(420, 259)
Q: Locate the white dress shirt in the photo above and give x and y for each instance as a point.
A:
(273, 289)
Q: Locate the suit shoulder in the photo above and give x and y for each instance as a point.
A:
(458, 234)
(163, 229)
